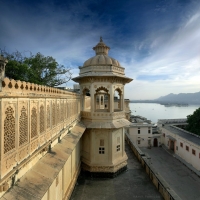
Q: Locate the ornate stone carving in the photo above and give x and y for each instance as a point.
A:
(62, 111)
(58, 114)
(9, 130)
(48, 117)
(23, 153)
(34, 145)
(23, 127)
(33, 123)
(53, 114)
(11, 161)
(111, 169)
(41, 119)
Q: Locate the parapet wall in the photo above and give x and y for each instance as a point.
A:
(157, 180)
(32, 118)
(11, 87)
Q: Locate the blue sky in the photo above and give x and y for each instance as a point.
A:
(157, 41)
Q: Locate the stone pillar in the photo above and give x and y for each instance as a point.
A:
(3, 62)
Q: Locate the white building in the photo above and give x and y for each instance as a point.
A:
(141, 132)
(184, 144)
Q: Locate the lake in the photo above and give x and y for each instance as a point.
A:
(154, 111)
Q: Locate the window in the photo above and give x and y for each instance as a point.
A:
(193, 152)
(181, 144)
(187, 148)
(176, 148)
(163, 134)
(101, 150)
(138, 130)
(149, 130)
(118, 147)
(138, 141)
(199, 155)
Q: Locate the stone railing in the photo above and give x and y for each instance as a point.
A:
(33, 118)
(158, 181)
(12, 87)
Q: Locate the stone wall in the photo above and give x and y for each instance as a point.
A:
(33, 118)
(157, 180)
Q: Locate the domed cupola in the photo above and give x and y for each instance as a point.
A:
(101, 57)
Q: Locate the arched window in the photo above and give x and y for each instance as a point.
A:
(117, 100)
(102, 99)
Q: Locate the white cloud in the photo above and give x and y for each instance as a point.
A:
(178, 58)
(67, 35)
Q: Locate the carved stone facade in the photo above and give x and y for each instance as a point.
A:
(32, 118)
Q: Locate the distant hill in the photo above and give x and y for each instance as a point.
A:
(182, 98)
(190, 98)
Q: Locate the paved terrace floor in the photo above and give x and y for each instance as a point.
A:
(181, 179)
(131, 184)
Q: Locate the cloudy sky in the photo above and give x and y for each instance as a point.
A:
(157, 41)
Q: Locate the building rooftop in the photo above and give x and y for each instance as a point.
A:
(131, 184)
(184, 134)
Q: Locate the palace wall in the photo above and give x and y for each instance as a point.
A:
(33, 118)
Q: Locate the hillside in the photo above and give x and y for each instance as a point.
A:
(191, 98)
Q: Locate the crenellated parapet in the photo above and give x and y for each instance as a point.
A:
(11, 87)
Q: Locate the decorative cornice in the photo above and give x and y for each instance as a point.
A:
(111, 169)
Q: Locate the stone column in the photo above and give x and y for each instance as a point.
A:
(3, 62)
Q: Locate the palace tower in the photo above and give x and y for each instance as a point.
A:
(102, 80)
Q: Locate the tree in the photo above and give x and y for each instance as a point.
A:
(36, 69)
(194, 122)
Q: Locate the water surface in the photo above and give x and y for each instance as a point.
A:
(154, 111)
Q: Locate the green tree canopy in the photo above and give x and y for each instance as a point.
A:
(194, 122)
(39, 69)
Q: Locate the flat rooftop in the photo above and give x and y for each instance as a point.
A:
(184, 134)
(131, 184)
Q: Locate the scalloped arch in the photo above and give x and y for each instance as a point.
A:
(101, 88)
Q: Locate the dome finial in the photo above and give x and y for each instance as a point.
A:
(101, 48)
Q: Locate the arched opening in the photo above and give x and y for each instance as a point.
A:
(101, 99)
(86, 103)
(117, 100)
(155, 142)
